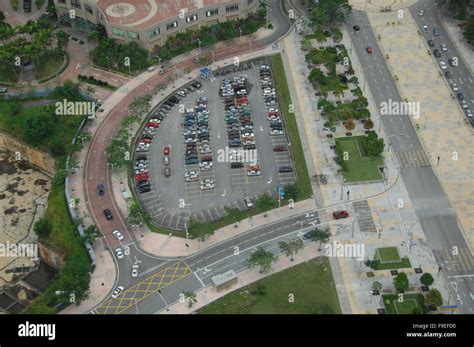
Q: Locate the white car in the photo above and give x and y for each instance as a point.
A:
(455, 87)
(468, 113)
(464, 104)
(119, 253)
(206, 163)
(443, 66)
(421, 13)
(254, 173)
(273, 109)
(118, 235)
(191, 176)
(206, 168)
(134, 271)
(117, 292)
(444, 47)
(248, 202)
(276, 132)
(207, 184)
(424, 28)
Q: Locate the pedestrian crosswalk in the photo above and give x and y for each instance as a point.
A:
(455, 259)
(364, 216)
(412, 158)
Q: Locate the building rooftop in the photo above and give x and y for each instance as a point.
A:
(142, 14)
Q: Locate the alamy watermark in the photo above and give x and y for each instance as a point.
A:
(75, 108)
(231, 155)
(400, 108)
(21, 250)
(345, 250)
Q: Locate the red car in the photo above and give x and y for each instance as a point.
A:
(243, 98)
(153, 125)
(340, 214)
(279, 149)
(146, 140)
(166, 150)
(141, 177)
(369, 50)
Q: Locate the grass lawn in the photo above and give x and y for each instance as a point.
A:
(410, 301)
(388, 254)
(402, 264)
(46, 70)
(311, 283)
(297, 154)
(359, 168)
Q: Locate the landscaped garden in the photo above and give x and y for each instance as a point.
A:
(408, 304)
(357, 165)
(311, 285)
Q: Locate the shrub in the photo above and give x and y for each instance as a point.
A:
(426, 279)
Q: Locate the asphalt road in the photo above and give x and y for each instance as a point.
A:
(461, 74)
(433, 209)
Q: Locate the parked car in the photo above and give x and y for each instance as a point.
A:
(285, 169)
(437, 53)
(119, 253)
(134, 271)
(369, 50)
(431, 43)
(435, 31)
(279, 149)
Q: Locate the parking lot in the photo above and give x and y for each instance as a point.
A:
(211, 149)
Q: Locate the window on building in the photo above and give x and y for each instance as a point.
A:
(61, 1)
(75, 3)
(132, 35)
(232, 8)
(250, 2)
(117, 31)
(171, 26)
(212, 13)
(88, 9)
(191, 18)
(154, 32)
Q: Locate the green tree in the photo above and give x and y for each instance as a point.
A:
(38, 126)
(373, 264)
(319, 235)
(291, 191)
(200, 230)
(265, 202)
(368, 124)
(263, 259)
(190, 296)
(39, 307)
(42, 228)
(91, 233)
(426, 279)
(401, 281)
(327, 12)
(433, 298)
(291, 247)
(137, 215)
(372, 144)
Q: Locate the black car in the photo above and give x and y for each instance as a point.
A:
(235, 144)
(100, 189)
(460, 96)
(437, 53)
(431, 43)
(108, 214)
(249, 147)
(356, 28)
(285, 169)
(144, 189)
(238, 165)
(448, 74)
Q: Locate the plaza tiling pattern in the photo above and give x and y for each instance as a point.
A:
(412, 158)
(145, 288)
(364, 216)
(450, 261)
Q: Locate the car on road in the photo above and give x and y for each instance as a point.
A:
(444, 47)
(117, 292)
(108, 214)
(443, 66)
(340, 214)
(118, 235)
(421, 13)
(141, 176)
(464, 104)
(119, 253)
(424, 28)
(437, 53)
(431, 43)
(435, 31)
(3, 90)
(134, 271)
(369, 50)
(468, 113)
(166, 150)
(100, 189)
(454, 86)
(167, 171)
(447, 74)
(460, 96)
(356, 28)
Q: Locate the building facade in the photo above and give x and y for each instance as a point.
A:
(151, 22)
